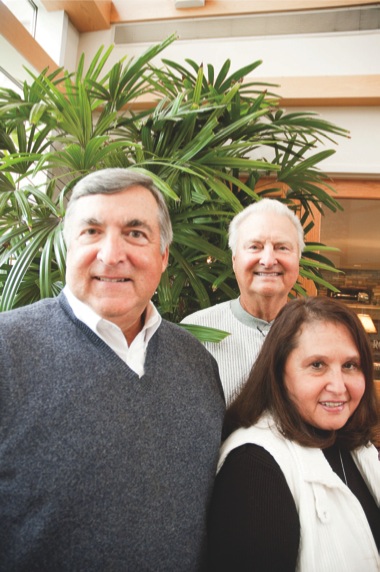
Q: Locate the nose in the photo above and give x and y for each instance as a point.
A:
(112, 250)
(336, 382)
(268, 257)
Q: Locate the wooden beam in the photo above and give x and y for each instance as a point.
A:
(85, 15)
(356, 188)
(314, 91)
(94, 15)
(350, 187)
(322, 91)
(18, 36)
(150, 10)
(297, 91)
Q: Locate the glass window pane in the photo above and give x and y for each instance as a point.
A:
(356, 232)
(25, 11)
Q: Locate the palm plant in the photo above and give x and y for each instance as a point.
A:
(208, 144)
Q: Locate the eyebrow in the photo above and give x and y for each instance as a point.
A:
(133, 223)
(262, 241)
(90, 221)
(137, 222)
(350, 357)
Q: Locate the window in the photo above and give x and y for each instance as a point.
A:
(25, 11)
(356, 232)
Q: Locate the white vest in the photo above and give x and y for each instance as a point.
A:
(335, 534)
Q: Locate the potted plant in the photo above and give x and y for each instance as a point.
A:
(209, 142)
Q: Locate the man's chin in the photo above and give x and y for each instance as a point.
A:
(269, 290)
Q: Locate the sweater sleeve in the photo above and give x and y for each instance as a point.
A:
(253, 520)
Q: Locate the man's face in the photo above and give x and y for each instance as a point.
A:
(266, 262)
(114, 263)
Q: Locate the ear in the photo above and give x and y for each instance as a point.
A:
(165, 259)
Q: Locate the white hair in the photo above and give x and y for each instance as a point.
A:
(264, 206)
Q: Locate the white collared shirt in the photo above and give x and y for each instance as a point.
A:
(133, 355)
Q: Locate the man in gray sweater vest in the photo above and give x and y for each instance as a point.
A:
(110, 417)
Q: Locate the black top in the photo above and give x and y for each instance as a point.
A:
(261, 532)
(356, 484)
(249, 531)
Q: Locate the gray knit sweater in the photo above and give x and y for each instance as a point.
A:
(101, 470)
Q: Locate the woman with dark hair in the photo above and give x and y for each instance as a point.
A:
(298, 484)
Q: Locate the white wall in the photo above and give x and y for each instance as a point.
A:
(13, 62)
(55, 34)
(343, 53)
(355, 53)
(50, 31)
(70, 47)
(317, 54)
(360, 154)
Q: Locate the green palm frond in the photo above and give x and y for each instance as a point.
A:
(208, 142)
(205, 334)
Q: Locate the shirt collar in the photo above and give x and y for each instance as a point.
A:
(244, 317)
(88, 316)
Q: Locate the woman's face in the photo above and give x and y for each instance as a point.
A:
(323, 376)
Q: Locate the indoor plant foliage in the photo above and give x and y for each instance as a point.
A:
(211, 144)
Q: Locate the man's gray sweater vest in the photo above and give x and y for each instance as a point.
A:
(101, 470)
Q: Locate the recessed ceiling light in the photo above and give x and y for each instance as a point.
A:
(189, 3)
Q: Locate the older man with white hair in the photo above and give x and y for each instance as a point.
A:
(266, 240)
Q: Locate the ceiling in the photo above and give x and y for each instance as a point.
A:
(252, 25)
(93, 15)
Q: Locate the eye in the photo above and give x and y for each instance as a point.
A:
(285, 247)
(90, 231)
(136, 234)
(351, 366)
(317, 365)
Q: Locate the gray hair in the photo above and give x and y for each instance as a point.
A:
(116, 180)
(264, 206)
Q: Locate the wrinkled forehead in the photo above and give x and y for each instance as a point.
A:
(267, 226)
(124, 208)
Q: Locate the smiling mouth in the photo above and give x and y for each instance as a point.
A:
(104, 279)
(268, 273)
(332, 403)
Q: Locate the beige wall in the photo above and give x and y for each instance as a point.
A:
(284, 57)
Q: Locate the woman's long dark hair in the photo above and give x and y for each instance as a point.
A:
(265, 388)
